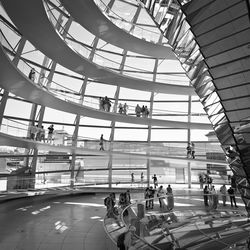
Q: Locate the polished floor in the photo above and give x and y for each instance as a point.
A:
(67, 222)
(73, 222)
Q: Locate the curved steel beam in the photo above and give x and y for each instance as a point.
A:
(13, 80)
(32, 20)
(87, 13)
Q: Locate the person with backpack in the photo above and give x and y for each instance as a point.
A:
(109, 202)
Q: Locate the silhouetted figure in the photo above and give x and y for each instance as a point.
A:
(205, 195)
(151, 196)
(142, 177)
(193, 150)
(132, 177)
(155, 181)
(189, 150)
(101, 143)
(232, 196)
(50, 133)
(223, 191)
(32, 74)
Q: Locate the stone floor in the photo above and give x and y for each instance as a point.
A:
(69, 222)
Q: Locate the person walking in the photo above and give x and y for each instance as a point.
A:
(101, 143)
(161, 194)
(223, 191)
(232, 196)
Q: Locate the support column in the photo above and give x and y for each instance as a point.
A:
(149, 136)
(78, 117)
(189, 140)
(42, 110)
(15, 62)
(3, 104)
(111, 138)
(150, 116)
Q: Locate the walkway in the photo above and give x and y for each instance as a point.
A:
(9, 140)
(17, 83)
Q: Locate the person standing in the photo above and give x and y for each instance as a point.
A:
(201, 180)
(128, 197)
(132, 178)
(189, 150)
(223, 191)
(130, 238)
(170, 198)
(214, 197)
(101, 143)
(232, 196)
(42, 134)
(193, 150)
(38, 133)
(101, 103)
(147, 196)
(155, 181)
(50, 133)
(125, 108)
(33, 132)
(120, 108)
(169, 190)
(142, 177)
(32, 74)
(138, 110)
(205, 195)
(151, 196)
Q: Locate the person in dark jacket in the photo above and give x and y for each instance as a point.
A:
(206, 193)
(232, 196)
